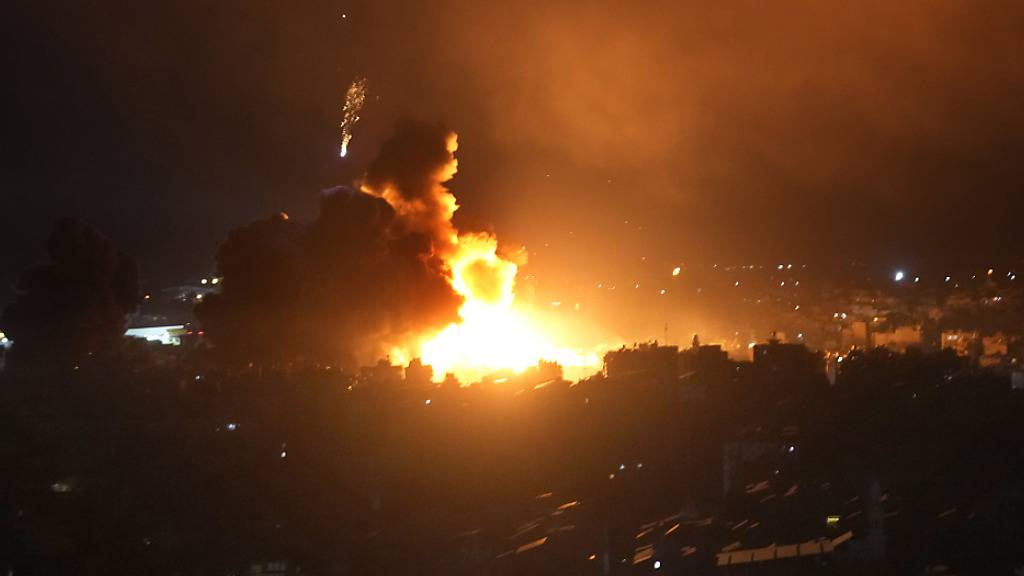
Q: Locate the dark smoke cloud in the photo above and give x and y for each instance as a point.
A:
(409, 160)
(342, 289)
(410, 171)
(75, 306)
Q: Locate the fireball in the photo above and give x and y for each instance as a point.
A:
(494, 333)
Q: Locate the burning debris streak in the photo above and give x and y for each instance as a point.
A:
(355, 96)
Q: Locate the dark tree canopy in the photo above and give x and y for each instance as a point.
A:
(74, 306)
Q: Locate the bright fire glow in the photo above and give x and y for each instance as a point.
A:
(494, 333)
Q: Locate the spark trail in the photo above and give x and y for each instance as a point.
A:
(355, 96)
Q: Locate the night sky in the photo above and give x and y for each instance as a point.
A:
(593, 133)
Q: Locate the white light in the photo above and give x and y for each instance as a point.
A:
(622, 466)
(657, 564)
(231, 426)
(898, 276)
(917, 279)
(677, 270)
(791, 449)
(781, 266)
(61, 487)
(215, 280)
(203, 281)
(284, 453)
(639, 464)
(948, 278)
(427, 401)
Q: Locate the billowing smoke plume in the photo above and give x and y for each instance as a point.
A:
(410, 173)
(365, 276)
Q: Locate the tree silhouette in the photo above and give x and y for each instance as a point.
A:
(74, 307)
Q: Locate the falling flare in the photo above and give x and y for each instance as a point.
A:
(355, 96)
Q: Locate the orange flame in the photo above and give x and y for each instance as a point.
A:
(494, 333)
